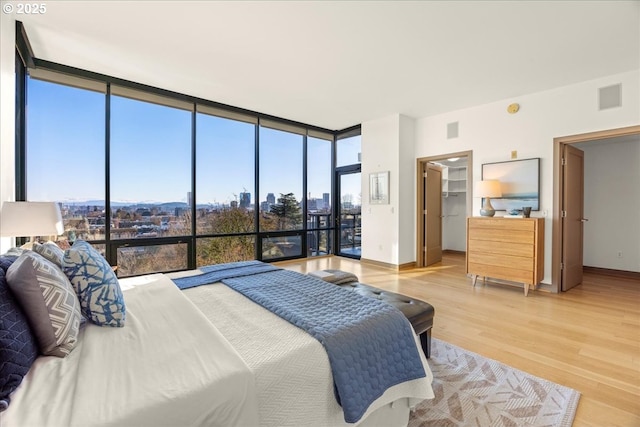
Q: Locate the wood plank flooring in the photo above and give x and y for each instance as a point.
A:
(587, 339)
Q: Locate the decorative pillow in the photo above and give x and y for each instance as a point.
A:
(18, 346)
(48, 301)
(50, 251)
(6, 261)
(95, 283)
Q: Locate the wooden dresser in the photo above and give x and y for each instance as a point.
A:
(506, 248)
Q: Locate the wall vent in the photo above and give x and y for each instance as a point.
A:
(610, 97)
(452, 130)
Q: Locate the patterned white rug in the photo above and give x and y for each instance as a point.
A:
(472, 390)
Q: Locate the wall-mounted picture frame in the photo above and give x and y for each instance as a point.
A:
(379, 188)
(519, 181)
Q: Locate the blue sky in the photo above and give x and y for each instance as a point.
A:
(150, 152)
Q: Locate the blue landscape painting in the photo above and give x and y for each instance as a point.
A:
(519, 182)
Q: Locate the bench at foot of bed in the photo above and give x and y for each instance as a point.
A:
(419, 313)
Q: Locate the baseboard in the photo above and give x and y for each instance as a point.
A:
(396, 267)
(611, 272)
(453, 252)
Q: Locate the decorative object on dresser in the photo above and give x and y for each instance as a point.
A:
(30, 219)
(488, 189)
(507, 249)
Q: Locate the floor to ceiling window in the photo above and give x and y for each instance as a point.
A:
(280, 190)
(348, 196)
(66, 151)
(225, 187)
(160, 182)
(150, 179)
(319, 209)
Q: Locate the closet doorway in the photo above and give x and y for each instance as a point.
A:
(453, 205)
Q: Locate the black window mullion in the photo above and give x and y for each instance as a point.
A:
(256, 179)
(110, 252)
(191, 247)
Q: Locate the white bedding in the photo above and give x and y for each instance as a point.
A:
(292, 372)
(168, 366)
(228, 362)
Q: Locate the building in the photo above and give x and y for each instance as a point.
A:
(245, 200)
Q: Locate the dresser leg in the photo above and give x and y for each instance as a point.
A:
(475, 278)
(526, 289)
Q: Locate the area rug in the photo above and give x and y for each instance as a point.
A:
(471, 390)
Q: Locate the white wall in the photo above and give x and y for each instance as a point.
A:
(612, 204)
(389, 147)
(407, 190)
(492, 134)
(7, 114)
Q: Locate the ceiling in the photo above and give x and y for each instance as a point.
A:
(335, 64)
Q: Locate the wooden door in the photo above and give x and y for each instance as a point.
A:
(433, 214)
(572, 217)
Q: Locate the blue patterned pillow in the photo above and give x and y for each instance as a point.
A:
(18, 346)
(96, 284)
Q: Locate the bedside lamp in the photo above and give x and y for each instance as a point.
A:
(488, 189)
(21, 219)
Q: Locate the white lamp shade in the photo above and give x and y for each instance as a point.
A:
(25, 219)
(488, 188)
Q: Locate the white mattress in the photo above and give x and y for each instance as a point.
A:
(292, 372)
(168, 366)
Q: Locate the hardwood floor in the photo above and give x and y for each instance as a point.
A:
(587, 339)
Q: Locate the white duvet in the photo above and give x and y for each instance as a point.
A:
(206, 356)
(167, 367)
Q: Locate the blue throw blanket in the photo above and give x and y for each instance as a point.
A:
(217, 272)
(370, 343)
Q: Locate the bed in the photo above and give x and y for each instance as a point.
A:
(206, 355)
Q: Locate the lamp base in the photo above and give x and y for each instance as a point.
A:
(487, 209)
(487, 212)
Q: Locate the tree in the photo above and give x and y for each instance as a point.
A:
(288, 212)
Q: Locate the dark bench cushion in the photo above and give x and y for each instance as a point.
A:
(419, 313)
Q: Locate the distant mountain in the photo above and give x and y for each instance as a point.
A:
(163, 205)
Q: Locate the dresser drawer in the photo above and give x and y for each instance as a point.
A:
(508, 261)
(506, 247)
(501, 235)
(502, 224)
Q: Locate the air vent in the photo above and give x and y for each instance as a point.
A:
(452, 130)
(610, 97)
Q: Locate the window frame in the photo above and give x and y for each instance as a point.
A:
(234, 113)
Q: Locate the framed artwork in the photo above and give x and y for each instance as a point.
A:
(519, 181)
(379, 188)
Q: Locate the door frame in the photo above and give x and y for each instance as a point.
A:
(420, 188)
(337, 203)
(558, 194)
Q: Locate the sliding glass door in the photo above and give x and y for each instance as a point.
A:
(349, 212)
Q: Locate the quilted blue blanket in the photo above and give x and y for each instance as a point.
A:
(370, 343)
(217, 272)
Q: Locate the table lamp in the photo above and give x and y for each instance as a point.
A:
(30, 219)
(488, 189)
